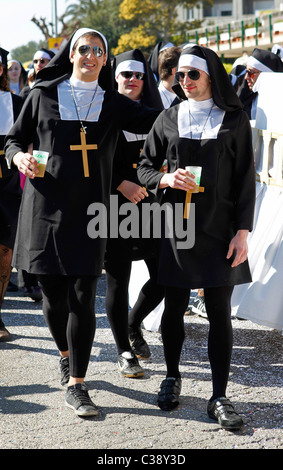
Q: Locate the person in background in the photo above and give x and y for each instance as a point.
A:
(27, 282)
(260, 61)
(167, 65)
(207, 123)
(153, 58)
(135, 80)
(17, 76)
(10, 190)
(41, 58)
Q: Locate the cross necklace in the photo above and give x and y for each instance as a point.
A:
(83, 147)
(198, 125)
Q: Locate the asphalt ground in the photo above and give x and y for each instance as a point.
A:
(33, 415)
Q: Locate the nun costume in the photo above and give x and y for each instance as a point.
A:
(136, 78)
(73, 113)
(259, 61)
(208, 129)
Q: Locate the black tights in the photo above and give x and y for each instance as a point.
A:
(117, 301)
(220, 338)
(68, 307)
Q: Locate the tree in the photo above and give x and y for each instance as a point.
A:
(25, 53)
(159, 22)
(102, 15)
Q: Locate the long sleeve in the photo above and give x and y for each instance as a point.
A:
(152, 157)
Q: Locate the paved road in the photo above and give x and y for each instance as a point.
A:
(33, 414)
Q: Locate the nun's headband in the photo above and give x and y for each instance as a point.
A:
(190, 60)
(129, 66)
(253, 62)
(80, 32)
(41, 55)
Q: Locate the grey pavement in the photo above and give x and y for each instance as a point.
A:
(33, 414)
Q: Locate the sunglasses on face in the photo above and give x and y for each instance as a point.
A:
(85, 50)
(41, 61)
(192, 74)
(138, 75)
(251, 74)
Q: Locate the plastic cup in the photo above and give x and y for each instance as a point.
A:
(196, 170)
(41, 158)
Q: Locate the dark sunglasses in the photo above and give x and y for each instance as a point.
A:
(84, 50)
(251, 74)
(192, 74)
(138, 75)
(41, 61)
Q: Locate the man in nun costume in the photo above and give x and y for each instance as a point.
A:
(73, 113)
(208, 129)
(135, 79)
(260, 61)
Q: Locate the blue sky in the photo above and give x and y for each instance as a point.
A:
(16, 28)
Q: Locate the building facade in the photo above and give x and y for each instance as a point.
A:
(224, 10)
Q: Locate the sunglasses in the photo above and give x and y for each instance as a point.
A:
(41, 61)
(85, 50)
(251, 74)
(192, 74)
(138, 75)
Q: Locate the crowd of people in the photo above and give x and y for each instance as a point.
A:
(140, 124)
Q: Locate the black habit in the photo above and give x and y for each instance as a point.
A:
(228, 178)
(52, 236)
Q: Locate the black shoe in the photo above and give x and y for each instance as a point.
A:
(138, 343)
(65, 371)
(78, 399)
(168, 396)
(33, 292)
(12, 287)
(222, 410)
(129, 366)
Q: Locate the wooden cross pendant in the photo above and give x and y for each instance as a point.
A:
(1, 153)
(188, 201)
(84, 148)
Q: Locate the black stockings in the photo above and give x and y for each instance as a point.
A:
(220, 338)
(68, 307)
(117, 300)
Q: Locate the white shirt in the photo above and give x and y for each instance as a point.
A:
(166, 96)
(89, 97)
(199, 119)
(6, 112)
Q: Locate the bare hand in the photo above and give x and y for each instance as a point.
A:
(180, 179)
(240, 245)
(132, 191)
(26, 164)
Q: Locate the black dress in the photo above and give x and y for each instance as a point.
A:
(52, 235)
(225, 206)
(136, 246)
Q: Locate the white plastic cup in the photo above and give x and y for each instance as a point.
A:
(41, 157)
(196, 171)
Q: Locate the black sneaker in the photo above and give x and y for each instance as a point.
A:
(78, 399)
(129, 366)
(33, 292)
(168, 396)
(199, 307)
(222, 410)
(138, 343)
(65, 371)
